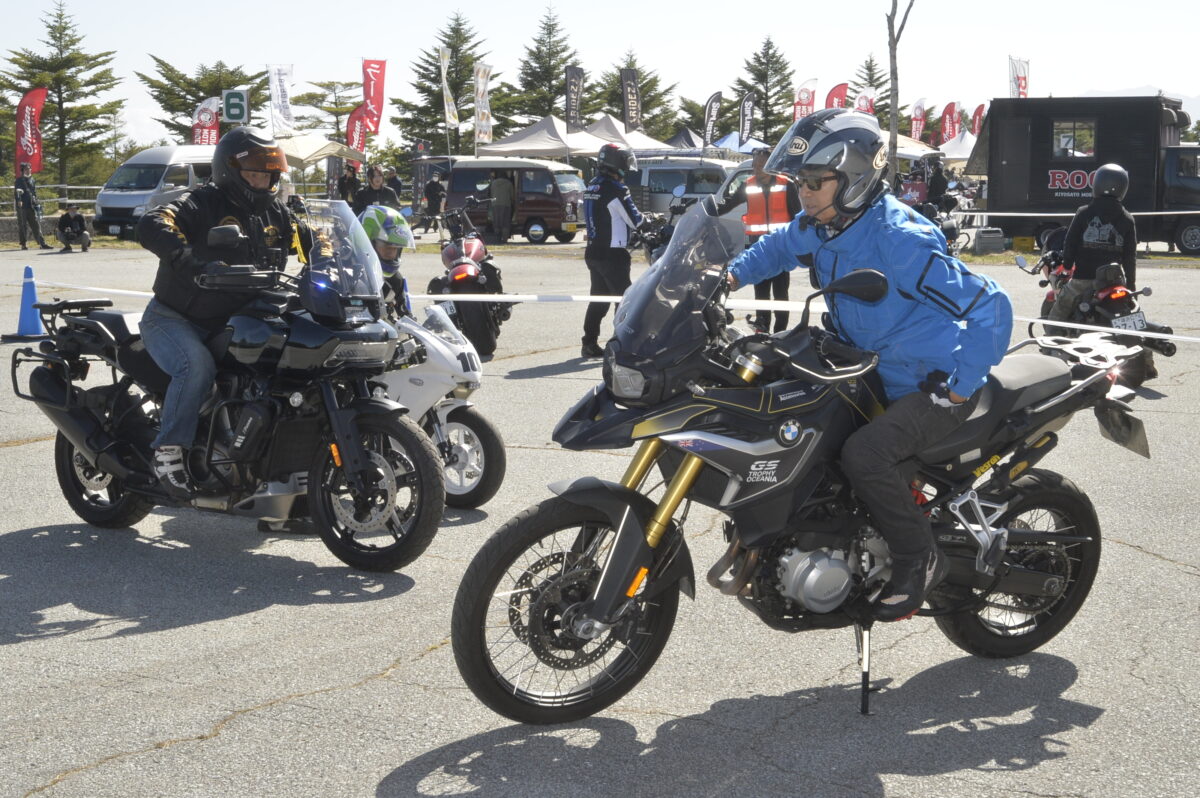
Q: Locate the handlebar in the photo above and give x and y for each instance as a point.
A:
(72, 304)
(239, 278)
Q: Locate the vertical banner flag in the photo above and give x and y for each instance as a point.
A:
(837, 96)
(918, 119)
(483, 105)
(373, 74)
(977, 119)
(574, 112)
(447, 100)
(279, 78)
(805, 97)
(949, 122)
(356, 129)
(206, 121)
(631, 99)
(29, 131)
(865, 101)
(711, 107)
(745, 118)
(1018, 77)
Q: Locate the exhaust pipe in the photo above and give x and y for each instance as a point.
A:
(83, 430)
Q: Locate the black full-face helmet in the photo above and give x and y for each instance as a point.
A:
(847, 142)
(617, 159)
(250, 150)
(1111, 180)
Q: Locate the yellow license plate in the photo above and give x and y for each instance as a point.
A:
(568, 228)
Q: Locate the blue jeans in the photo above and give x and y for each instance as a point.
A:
(177, 346)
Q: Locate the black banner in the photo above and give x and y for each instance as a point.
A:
(711, 108)
(745, 119)
(632, 99)
(574, 114)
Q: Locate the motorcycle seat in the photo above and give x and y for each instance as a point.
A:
(1016, 382)
(120, 325)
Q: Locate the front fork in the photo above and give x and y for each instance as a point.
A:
(346, 448)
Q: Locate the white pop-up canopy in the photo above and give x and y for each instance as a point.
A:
(958, 148)
(730, 141)
(546, 138)
(610, 128)
(305, 148)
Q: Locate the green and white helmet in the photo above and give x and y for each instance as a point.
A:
(387, 225)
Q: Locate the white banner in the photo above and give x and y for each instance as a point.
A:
(1018, 77)
(280, 78)
(448, 101)
(483, 106)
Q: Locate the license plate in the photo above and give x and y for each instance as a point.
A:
(569, 227)
(1134, 321)
(114, 229)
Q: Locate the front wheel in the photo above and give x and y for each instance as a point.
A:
(396, 521)
(477, 326)
(1187, 237)
(1011, 625)
(97, 497)
(564, 238)
(474, 459)
(514, 639)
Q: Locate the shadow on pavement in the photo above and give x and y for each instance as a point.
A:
(967, 714)
(575, 365)
(199, 569)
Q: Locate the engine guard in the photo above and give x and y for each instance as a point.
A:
(630, 512)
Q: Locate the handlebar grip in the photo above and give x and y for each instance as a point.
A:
(831, 346)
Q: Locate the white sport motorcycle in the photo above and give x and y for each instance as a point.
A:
(433, 375)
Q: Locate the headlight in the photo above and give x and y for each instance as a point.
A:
(465, 389)
(139, 210)
(627, 383)
(361, 352)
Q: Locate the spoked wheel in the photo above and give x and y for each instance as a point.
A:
(396, 520)
(95, 496)
(1010, 625)
(516, 632)
(475, 461)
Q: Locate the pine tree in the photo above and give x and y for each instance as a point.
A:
(335, 101)
(72, 128)
(1192, 134)
(7, 134)
(178, 93)
(769, 76)
(425, 119)
(658, 112)
(541, 77)
(870, 75)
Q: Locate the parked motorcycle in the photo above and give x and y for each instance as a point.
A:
(297, 425)
(470, 269)
(434, 374)
(941, 215)
(1111, 304)
(656, 229)
(569, 604)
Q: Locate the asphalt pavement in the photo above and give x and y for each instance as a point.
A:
(195, 656)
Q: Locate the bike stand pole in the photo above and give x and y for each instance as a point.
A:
(862, 639)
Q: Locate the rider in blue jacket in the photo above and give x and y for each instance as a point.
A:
(938, 331)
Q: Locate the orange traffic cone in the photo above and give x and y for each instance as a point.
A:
(29, 325)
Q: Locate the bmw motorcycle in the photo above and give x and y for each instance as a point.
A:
(569, 604)
(470, 269)
(297, 425)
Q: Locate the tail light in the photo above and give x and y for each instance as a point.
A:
(1113, 292)
(464, 271)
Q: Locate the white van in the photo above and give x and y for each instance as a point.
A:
(150, 178)
(656, 177)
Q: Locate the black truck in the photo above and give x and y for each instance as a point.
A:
(1040, 154)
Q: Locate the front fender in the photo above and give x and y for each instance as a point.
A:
(630, 512)
(376, 406)
(447, 406)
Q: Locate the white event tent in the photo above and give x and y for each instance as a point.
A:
(546, 138)
(610, 128)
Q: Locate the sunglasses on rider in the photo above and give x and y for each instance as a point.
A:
(815, 183)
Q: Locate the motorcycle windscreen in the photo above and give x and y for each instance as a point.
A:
(662, 311)
(342, 258)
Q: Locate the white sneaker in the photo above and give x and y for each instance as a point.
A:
(168, 467)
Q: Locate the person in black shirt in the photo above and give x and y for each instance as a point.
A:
(347, 184)
(393, 182)
(938, 184)
(375, 193)
(611, 215)
(29, 210)
(72, 229)
(435, 194)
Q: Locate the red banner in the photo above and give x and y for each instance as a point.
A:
(806, 97)
(206, 121)
(837, 96)
(373, 73)
(977, 120)
(949, 122)
(356, 130)
(918, 119)
(29, 133)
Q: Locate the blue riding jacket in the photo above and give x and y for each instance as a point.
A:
(937, 315)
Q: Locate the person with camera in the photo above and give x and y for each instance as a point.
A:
(29, 209)
(72, 229)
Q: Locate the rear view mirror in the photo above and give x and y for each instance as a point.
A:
(1021, 262)
(227, 236)
(483, 185)
(679, 190)
(867, 285)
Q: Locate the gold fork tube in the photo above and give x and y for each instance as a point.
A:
(647, 453)
(681, 483)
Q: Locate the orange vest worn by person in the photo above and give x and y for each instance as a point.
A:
(766, 211)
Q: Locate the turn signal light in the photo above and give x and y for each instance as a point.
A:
(337, 456)
(637, 581)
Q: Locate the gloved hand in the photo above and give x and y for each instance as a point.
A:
(296, 203)
(936, 384)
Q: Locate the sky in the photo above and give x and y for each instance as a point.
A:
(949, 51)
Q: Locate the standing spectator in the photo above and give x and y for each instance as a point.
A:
(348, 183)
(771, 203)
(610, 214)
(72, 229)
(375, 193)
(435, 195)
(937, 185)
(501, 211)
(393, 181)
(29, 210)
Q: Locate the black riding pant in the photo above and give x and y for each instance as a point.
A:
(773, 288)
(609, 269)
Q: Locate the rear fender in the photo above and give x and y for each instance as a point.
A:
(629, 512)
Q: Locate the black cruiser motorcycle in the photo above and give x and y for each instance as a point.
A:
(568, 605)
(296, 426)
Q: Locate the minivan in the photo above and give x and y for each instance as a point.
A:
(549, 194)
(148, 179)
(653, 182)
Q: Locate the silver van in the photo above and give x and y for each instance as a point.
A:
(652, 184)
(150, 178)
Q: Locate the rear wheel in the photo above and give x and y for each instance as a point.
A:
(1010, 625)
(476, 464)
(392, 525)
(96, 497)
(514, 640)
(535, 231)
(477, 326)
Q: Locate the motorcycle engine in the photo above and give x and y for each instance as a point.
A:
(818, 580)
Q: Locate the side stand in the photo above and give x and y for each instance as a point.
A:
(862, 639)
